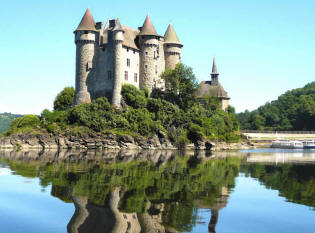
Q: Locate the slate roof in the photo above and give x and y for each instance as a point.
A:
(148, 29)
(130, 35)
(170, 35)
(205, 89)
(87, 22)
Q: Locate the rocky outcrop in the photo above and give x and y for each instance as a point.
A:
(95, 141)
(109, 141)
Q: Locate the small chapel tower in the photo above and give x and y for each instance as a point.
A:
(214, 88)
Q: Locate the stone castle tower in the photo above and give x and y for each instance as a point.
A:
(109, 56)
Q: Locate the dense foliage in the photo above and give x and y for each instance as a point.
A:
(5, 120)
(176, 112)
(294, 110)
(23, 124)
(64, 99)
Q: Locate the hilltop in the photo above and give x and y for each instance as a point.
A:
(6, 119)
(293, 110)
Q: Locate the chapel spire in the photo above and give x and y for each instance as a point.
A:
(214, 73)
(214, 67)
(148, 29)
(87, 22)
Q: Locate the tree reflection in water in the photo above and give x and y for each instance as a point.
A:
(153, 191)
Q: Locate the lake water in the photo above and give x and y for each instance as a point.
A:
(265, 190)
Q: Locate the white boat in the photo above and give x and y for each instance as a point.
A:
(309, 144)
(287, 144)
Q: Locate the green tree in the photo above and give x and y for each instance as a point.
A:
(182, 85)
(294, 110)
(23, 124)
(64, 99)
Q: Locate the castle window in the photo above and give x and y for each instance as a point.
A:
(89, 65)
(145, 66)
(134, 51)
(127, 49)
(109, 75)
(146, 53)
(136, 77)
(126, 75)
(156, 70)
(128, 62)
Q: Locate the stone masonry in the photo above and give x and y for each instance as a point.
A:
(109, 56)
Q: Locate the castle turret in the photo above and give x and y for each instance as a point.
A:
(85, 38)
(118, 37)
(172, 48)
(149, 43)
(214, 73)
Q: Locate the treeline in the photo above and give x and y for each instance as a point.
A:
(294, 110)
(176, 113)
(6, 119)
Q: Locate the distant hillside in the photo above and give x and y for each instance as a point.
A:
(5, 120)
(294, 110)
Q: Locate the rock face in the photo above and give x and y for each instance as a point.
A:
(96, 141)
(109, 141)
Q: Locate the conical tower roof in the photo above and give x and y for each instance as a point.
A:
(148, 28)
(170, 35)
(87, 22)
(214, 67)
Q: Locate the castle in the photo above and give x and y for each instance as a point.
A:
(112, 55)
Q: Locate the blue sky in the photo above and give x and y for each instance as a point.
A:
(263, 48)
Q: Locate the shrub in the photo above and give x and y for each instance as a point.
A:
(60, 118)
(194, 133)
(64, 99)
(140, 120)
(133, 96)
(23, 124)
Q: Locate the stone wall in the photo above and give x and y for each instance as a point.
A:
(134, 67)
(148, 62)
(225, 104)
(172, 55)
(118, 69)
(85, 62)
(161, 65)
(104, 82)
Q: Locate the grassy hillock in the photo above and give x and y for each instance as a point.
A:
(176, 112)
(5, 120)
(294, 110)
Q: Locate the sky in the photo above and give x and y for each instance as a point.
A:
(262, 48)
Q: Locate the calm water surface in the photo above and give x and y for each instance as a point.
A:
(265, 190)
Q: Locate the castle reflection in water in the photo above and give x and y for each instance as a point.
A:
(140, 191)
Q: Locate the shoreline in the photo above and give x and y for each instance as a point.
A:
(112, 142)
